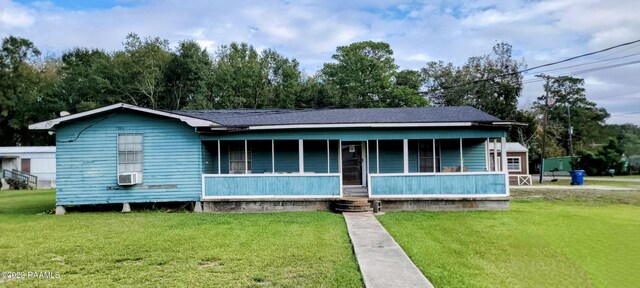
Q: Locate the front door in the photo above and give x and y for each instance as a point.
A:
(352, 160)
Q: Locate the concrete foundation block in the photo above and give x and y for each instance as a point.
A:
(197, 207)
(60, 210)
(126, 208)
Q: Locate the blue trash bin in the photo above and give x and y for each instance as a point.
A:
(577, 177)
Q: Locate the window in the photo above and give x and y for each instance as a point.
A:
(130, 153)
(236, 158)
(513, 164)
(425, 156)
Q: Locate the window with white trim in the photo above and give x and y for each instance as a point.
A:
(237, 158)
(130, 153)
(513, 164)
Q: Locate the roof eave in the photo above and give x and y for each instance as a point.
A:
(191, 121)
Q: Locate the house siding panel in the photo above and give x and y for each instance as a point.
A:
(473, 151)
(450, 153)
(391, 156)
(87, 163)
(315, 156)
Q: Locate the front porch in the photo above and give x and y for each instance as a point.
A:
(284, 171)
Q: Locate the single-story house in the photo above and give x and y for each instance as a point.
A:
(36, 161)
(517, 162)
(278, 159)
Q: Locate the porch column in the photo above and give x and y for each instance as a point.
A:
(405, 144)
(487, 155)
(246, 158)
(328, 158)
(273, 156)
(219, 160)
(503, 153)
(461, 158)
(495, 155)
(378, 156)
(434, 155)
(301, 155)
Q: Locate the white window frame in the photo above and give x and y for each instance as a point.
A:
(134, 162)
(519, 163)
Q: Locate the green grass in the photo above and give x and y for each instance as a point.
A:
(154, 248)
(571, 241)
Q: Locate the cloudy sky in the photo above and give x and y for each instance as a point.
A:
(452, 31)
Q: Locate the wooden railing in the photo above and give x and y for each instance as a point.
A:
(19, 179)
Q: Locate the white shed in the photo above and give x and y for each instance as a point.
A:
(39, 161)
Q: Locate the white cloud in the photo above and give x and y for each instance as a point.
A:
(452, 30)
(14, 16)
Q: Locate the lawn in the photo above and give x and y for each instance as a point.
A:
(562, 239)
(155, 248)
(594, 182)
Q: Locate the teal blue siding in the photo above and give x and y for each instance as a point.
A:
(365, 134)
(260, 156)
(311, 185)
(474, 155)
(87, 163)
(286, 156)
(391, 156)
(372, 156)
(438, 184)
(450, 153)
(315, 156)
(334, 156)
(413, 155)
(209, 157)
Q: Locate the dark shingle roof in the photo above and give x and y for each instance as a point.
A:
(261, 117)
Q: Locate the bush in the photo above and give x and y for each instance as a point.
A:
(598, 163)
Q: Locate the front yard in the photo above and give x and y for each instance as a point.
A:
(547, 239)
(155, 248)
(568, 238)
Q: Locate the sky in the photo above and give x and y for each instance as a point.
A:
(450, 31)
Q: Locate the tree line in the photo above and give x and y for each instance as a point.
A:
(148, 72)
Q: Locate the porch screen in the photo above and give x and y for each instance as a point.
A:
(426, 156)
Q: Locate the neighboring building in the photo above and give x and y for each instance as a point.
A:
(39, 161)
(517, 162)
(557, 165)
(266, 160)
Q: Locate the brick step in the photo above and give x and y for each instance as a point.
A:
(352, 205)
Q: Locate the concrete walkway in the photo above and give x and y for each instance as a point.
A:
(382, 262)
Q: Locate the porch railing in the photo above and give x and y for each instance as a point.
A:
(481, 184)
(271, 185)
(19, 179)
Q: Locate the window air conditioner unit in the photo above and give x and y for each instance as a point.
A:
(128, 179)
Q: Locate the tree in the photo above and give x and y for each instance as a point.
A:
(86, 80)
(19, 86)
(491, 83)
(366, 75)
(188, 76)
(140, 70)
(599, 162)
(568, 95)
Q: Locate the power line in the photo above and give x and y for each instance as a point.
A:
(589, 63)
(540, 66)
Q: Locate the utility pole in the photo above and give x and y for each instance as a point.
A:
(544, 121)
(570, 131)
